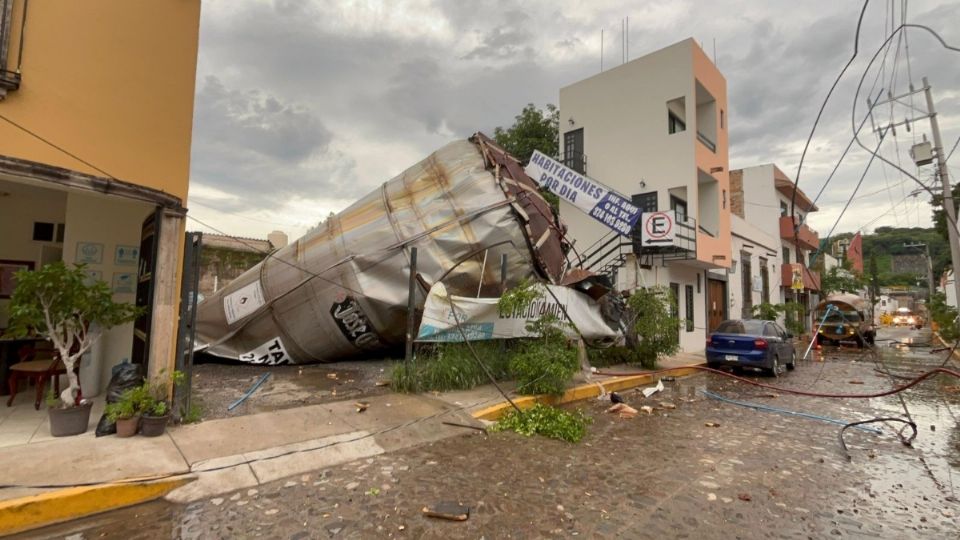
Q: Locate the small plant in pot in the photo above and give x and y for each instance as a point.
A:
(57, 303)
(126, 412)
(156, 409)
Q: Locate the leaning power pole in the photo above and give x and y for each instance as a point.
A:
(948, 207)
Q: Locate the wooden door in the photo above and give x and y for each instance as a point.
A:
(716, 303)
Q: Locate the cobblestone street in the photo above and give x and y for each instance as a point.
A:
(695, 468)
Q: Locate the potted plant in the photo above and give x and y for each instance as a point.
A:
(56, 302)
(156, 409)
(126, 412)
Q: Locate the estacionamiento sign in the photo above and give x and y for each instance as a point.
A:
(591, 197)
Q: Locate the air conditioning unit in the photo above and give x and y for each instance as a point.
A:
(922, 153)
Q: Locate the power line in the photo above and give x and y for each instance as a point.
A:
(806, 146)
(896, 32)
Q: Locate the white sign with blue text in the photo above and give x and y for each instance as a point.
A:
(593, 198)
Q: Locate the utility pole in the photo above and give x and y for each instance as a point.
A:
(951, 213)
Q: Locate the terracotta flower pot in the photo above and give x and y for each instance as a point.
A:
(70, 421)
(153, 426)
(127, 427)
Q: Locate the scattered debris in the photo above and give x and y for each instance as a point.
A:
(667, 405)
(456, 424)
(374, 491)
(361, 406)
(623, 410)
(647, 409)
(332, 376)
(249, 392)
(382, 383)
(855, 382)
(669, 378)
(711, 424)
(448, 510)
(647, 392)
(745, 497)
(616, 398)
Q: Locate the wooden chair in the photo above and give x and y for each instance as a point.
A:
(37, 369)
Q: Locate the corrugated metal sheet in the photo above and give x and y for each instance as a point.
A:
(340, 292)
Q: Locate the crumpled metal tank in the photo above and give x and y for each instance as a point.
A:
(340, 291)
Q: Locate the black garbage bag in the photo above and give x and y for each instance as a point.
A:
(125, 376)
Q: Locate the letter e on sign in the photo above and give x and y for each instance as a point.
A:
(657, 228)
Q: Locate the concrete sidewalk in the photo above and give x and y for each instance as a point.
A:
(233, 453)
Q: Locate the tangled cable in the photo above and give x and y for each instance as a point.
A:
(906, 441)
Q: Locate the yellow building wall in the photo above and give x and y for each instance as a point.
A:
(111, 81)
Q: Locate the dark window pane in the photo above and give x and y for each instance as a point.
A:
(689, 307)
(730, 327)
(43, 232)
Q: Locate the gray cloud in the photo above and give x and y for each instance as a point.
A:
(326, 99)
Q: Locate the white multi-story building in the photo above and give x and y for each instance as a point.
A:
(655, 129)
(764, 196)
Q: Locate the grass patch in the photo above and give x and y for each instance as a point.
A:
(450, 366)
(546, 421)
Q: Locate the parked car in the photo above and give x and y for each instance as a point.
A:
(751, 343)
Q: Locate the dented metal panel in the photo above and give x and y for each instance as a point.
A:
(340, 291)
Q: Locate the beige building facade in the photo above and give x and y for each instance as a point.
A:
(655, 130)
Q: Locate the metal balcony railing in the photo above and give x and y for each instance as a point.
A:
(707, 142)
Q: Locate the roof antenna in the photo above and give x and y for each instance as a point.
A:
(714, 51)
(601, 50)
(628, 39)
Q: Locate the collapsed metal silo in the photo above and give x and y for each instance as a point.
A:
(340, 291)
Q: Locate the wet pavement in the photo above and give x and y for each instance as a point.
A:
(217, 385)
(695, 468)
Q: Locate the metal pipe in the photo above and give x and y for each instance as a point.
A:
(411, 304)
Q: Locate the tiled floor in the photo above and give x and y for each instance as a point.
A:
(21, 424)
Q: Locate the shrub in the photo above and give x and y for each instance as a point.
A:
(545, 364)
(612, 356)
(651, 315)
(546, 421)
(945, 316)
(766, 311)
(793, 317)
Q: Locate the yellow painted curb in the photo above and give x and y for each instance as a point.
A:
(25, 513)
(579, 393)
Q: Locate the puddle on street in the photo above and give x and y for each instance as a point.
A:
(933, 404)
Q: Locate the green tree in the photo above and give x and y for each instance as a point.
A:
(940, 216)
(532, 129)
(59, 304)
(840, 279)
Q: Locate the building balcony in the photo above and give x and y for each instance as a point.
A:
(712, 146)
(811, 279)
(806, 238)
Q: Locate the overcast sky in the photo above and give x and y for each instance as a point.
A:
(303, 106)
